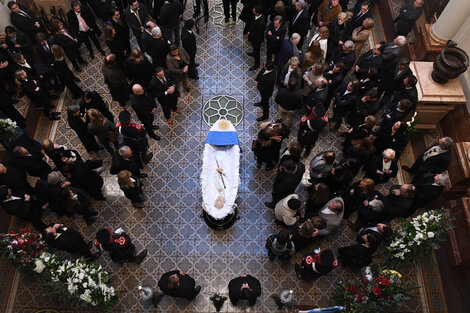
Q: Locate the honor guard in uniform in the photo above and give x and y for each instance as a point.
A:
(134, 135)
(316, 264)
(119, 244)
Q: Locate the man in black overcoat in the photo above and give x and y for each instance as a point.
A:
(188, 40)
(244, 287)
(256, 35)
(179, 284)
(24, 19)
(300, 22)
(162, 87)
(145, 107)
(32, 162)
(118, 21)
(409, 14)
(265, 81)
(275, 34)
(287, 179)
(136, 16)
(15, 179)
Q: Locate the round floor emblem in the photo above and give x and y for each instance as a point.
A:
(222, 107)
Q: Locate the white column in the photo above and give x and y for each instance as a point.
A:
(451, 19)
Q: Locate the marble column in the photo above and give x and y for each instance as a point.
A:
(451, 19)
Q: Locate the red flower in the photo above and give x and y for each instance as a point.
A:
(378, 291)
(359, 298)
(365, 282)
(385, 282)
(353, 289)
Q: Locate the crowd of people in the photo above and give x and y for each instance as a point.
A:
(314, 63)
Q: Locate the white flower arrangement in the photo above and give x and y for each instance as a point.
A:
(8, 129)
(416, 238)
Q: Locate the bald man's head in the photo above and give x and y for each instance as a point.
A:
(137, 90)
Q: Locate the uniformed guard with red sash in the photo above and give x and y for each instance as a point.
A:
(119, 244)
(134, 136)
(310, 127)
(316, 264)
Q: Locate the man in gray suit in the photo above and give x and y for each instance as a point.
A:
(332, 214)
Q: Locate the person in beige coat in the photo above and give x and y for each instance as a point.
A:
(328, 11)
(361, 34)
(177, 62)
(287, 209)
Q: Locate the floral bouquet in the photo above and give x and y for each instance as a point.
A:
(375, 293)
(416, 238)
(410, 125)
(80, 281)
(21, 247)
(8, 129)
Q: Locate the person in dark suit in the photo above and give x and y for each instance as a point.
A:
(136, 16)
(392, 52)
(147, 38)
(69, 42)
(288, 50)
(145, 107)
(119, 23)
(197, 11)
(24, 19)
(346, 54)
(407, 90)
(230, 6)
(32, 162)
(358, 255)
(287, 179)
(79, 125)
(163, 88)
(115, 44)
(23, 207)
(244, 287)
(435, 159)
(64, 73)
(18, 41)
(138, 69)
(318, 96)
(360, 14)
(170, 20)
(83, 176)
(188, 40)
(300, 22)
(119, 244)
(368, 60)
(132, 187)
(15, 179)
(159, 48)
(265, 81)
(134, 136)
(83, 24)
(178, 284)
(345, 99)
(334, 75)
(372, 210)
(290, 100)
(63, 238)
(399, 202)
(93, 100)
(124, 159)
(382, 167)
(275, 34)
(50, 192)
(428, 188)
(409, 14)
(44, 53)
(256, 35)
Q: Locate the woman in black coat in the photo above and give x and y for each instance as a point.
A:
(64, 73)
(358, 192)
(268, 143)
(36, 93)
(359, 255)
(339, 32)
(357, 133)
(382, 167)
(138, 69)
(393, 137)
(80, 126)
(132, 188)
(317, 197)
(66, 40)
(115, 44)
(82, 176)
(93, 100)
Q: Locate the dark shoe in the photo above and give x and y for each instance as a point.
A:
(206, 18)
(156, 137)
(156, 299)
(268, 168)
(93, 213)
(90, 221)
(226, 20)
(193, 77)
(187, 89)
(76, 79)
(234, 19)
(149, 156)
(82, 61)
(269, 205)
(55, 113)
(141, 256)
(196, 64)
(196, 14)
(261, 118)
(78, 69)
(142, 175)
(258, 165)
(297, 271)
(155, 127)
(257, 104)
(96, 255)
(92, 55)
(254, 67)
(197, 290)
(250, 54)
(102, 52)
(54, 117)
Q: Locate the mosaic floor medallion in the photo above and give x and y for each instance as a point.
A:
(217, 17)
(222, 107)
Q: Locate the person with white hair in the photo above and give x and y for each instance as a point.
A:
(382, 167)
(158, 48)
(147, 37)
(435, 159)
(344, 53)
(429, 188)
(300, 22)
(288, 50)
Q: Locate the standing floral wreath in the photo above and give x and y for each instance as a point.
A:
(80, 281)
(416, 238)
(375, 292)
(8, 129)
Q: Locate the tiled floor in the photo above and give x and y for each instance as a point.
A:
(170, 227)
